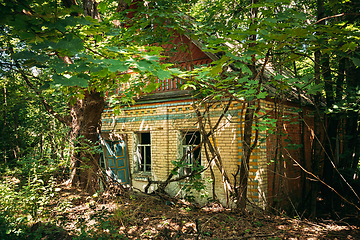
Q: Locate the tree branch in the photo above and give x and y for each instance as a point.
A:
(335, 16)
(65, 120)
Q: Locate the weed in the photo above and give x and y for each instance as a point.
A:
(258, 224)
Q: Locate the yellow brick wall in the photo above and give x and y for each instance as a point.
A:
(165, 122)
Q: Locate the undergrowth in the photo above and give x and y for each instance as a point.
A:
(31, 206)
(26, 192)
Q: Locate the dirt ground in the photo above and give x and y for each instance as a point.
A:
(134, 215)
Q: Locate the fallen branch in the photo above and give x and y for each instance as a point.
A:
(251, 236)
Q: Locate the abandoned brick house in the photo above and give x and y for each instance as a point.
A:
(146, 137)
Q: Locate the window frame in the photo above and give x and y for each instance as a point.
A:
(187, 147)
(141, 164)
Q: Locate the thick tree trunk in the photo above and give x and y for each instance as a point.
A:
(330, 132)
(316, 153)
(352, 117)
(246, 146)
(90, 9)
(352, 135)
(249, 119)
(85, 127)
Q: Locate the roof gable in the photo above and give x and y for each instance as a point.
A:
(183, 51)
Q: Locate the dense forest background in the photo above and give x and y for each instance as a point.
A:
(58, 58)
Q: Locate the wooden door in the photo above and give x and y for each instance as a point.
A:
(117, 160)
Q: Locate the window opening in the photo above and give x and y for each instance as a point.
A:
(190, 141)
(102, 161)
(144, 152)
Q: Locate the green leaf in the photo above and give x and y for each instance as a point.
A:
(151, 87)
(262, 95)
(279, 77)
(116, 65)
(162, 74)
(244, 68)
(70, 81)
(116, 49)
(243, 79)
(151, 58)
(219, 65)
(24, 55)
(102, 73)
(215, 70)
(143, 65)
(175, 71)
(356, 61)
(349, 46)
(315, 89)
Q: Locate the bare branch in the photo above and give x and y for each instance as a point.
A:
(318, 179)
(335, 16)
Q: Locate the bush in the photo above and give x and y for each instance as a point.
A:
(26, 191)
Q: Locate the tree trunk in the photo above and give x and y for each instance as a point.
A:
(330, 132)
(246, 146)
(316, 153)
(352, 142)
(352, 117)
(85, 127)
(249, 119)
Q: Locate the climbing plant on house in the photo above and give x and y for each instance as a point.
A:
(311, 52)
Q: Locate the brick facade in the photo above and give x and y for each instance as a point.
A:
(284, 153)
(273, 181)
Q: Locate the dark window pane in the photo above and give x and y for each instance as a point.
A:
(141, 148)
(196, 159)
(148, 155)
(102, 160)
(144, 138)
(190, 141)
(187, 171)
(144, 152)
(192, 138)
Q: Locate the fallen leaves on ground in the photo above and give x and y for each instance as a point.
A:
(135, 215)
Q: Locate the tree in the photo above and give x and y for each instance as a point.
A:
(81, 51)
(68, 49)
(289, 37)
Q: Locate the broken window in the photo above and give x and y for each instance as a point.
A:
(190, 142)
(143, 152)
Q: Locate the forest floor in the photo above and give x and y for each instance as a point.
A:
(134, 215)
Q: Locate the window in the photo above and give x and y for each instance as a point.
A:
(143, 152)
(102, 161)
(190, 140)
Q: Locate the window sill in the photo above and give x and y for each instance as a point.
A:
(142, 176)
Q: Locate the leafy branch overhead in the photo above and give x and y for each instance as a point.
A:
(73, 52)
(67, 55)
